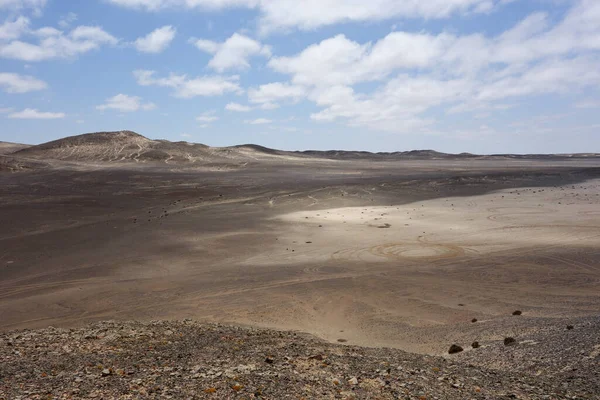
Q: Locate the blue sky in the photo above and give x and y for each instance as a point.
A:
(483, 76)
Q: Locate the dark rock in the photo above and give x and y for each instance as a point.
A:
(517, 312)
(474, 320)
(475, 345)
(569, 327)
(455, 349)
(269, 360)
(509, 341)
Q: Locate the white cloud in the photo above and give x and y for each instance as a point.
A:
(18, 5)
(14, 29)
(258, 121)
(340, 61)
(311, 14)
(237, 107)
(234, 53)
(66, 20)
(156, 5)
(417, 72)
(15, 83)
(156, 41)
(208, 116)
(54, 44)
(268, 95)
(30, 113)
(186, 135)
(125, 103)
(588, 103)
(188, 88)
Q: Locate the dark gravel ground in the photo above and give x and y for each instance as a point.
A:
(189, 360)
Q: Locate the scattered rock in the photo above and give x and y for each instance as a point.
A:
(569, 327)
(474, 320)
(455, 349)
(475, 345)
(517, 312)
(342, 340)
(509, 341)
(106, 372)
(353, 381)
(269, 360)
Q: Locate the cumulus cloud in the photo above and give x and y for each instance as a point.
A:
(237, 107)
(156, 5)
(156, 41)
(53, 43)
(16, 83)
(233, 53)
(185, 87)
(30, 113)
(125, 103)
(66, 20)
(14, 29)
(416, 72)
(267, 96)
(258, 121)
(208, 116)
(19, 5)
(312, 14)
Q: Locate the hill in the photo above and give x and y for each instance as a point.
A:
(128, 146)
(8, 148)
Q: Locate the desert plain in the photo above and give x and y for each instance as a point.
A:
(395, 250)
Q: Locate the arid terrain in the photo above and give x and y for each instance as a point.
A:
(397, 250)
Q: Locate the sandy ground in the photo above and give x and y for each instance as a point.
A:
(401, 254)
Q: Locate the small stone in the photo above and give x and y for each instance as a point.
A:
(569, 327)
(509, 341)
(353, 381)
(474, 320)
(269, 360)
(475, 345)
(106, 372)
(517, 312)
(237, 387)
(342, 340)
(455, 349)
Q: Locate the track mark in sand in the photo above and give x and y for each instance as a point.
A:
(517, 212)
(395, 251)
(420, 250)
(572, 263)
(315, 201)
(37, 287)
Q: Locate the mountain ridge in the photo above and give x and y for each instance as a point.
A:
(126, 145)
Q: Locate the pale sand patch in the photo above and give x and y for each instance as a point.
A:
(420, 281)
(443, 228)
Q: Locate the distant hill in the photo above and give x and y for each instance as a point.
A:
(128, 146)
(404, 155)
(8, 148)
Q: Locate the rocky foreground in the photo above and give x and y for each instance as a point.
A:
(189, 360)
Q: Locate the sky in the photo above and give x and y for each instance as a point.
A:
(479, 76)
